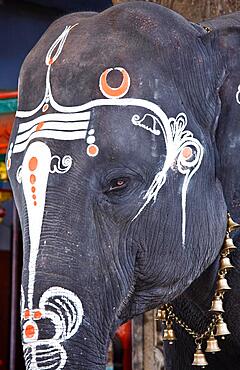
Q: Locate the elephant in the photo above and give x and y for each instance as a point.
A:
(123, 164)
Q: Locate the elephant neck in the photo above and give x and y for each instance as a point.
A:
(201, 291)
(196, 300)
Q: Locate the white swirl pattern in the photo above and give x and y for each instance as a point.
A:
(63, 165)
(176, 141)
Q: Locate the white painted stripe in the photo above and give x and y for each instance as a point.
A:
(58, 126)
(58, 135)
(82, 116)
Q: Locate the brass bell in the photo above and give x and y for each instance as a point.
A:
(225, 264)
(222, 284)
(222, 328)
(161, 315)
(228, 246)
(212, 344)
(169, 335)
(231, 224)
(199, 357)
(217, 304)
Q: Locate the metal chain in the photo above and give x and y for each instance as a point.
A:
(174, 318)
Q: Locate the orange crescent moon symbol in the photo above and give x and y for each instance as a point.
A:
(114, 92)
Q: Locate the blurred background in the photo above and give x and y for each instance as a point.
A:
(137, 345)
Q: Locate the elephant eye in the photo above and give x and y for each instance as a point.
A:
(118, 184)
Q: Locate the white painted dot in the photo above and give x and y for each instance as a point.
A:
(91, 132)
(91, 139)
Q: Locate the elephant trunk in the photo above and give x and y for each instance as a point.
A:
(63, 328)
(73, 284)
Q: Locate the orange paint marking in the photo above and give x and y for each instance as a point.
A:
(35, 203)
(112, 92)
(32, 179)
(33, 164)
(27, 314)
(29, 331)
(92, 150)
(40, 126)
(33, 189)
(187, 152)
(34, 196)
(45, 107)
(8, 163)
(50, 61)
(37, 315)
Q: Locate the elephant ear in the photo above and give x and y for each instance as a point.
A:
(223, 44)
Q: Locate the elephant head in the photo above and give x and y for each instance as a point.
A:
(113, 163)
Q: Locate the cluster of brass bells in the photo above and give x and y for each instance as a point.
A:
(168, 332)
(218, 328)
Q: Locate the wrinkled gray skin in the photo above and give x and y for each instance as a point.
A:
(117, 266)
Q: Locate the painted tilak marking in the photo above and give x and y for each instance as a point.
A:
(59, 305)
(114, 92)
(35, 172)
(62, 307)
(57, 126)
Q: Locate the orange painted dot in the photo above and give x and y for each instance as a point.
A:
(33, 189)
(50, 61)
(40, 126)
(92, 150)
(35, 203)
(187, 152)
(29, 331)
(34, 196)
(33, 164)
(32, 179)
(27, 314)
(45, 107)
(8, 163)
(37, 315)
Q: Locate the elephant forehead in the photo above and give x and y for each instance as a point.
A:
(100, 42)
(127, 130)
